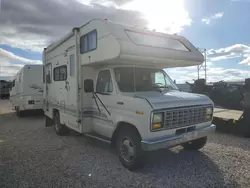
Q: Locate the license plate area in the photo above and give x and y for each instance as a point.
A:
(184, 130)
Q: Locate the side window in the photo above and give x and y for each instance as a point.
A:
(60, 73)
(13, 83)
(88, 42)
(72, 65)
(159, 79)
(104, 82)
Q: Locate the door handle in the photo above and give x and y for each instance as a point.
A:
(120, 103)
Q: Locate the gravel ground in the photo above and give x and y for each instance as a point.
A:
(34, 156)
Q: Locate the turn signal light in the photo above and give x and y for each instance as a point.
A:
(156, 125)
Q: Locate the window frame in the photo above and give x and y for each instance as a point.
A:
(82, 51)
(127, 31)
(59, 67)
(110, 79)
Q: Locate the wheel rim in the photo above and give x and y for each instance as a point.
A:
(127, 150)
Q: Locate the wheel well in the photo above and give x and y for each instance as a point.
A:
(120, 126)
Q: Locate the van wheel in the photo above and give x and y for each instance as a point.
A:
(195, 144)
(60, 129)
(128, 145)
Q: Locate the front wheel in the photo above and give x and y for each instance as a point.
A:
(60, 129)
(195, 144)
(128, 145)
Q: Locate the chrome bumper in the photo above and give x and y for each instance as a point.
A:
(170, 141)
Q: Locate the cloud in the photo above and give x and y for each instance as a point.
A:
(216, 73)
(207, 20)
(33, 25)
(6, 55)
(234, 51)
(162, 15)
(8, 65)
(244, 1)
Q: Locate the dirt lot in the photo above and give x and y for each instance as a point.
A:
(33, 156)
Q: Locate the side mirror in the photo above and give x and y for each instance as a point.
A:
(88, 86)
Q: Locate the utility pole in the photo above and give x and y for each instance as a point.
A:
(203, 66)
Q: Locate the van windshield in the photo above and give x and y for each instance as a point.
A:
(137, 79)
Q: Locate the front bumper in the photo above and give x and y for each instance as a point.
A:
(170, 141)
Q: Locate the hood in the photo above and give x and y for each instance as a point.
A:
(173, 99)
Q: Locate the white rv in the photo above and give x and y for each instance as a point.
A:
(106, 80)
(27, 89)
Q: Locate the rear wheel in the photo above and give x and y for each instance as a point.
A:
(60, 129)
(19, 112)
(195, 144)
(128, 145)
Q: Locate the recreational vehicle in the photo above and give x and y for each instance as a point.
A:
(106, 81)
(27, 89)
(4, 89)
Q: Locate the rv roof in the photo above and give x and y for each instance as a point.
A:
(127, 27)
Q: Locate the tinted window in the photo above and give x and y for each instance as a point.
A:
(156, 41)
(137, 79)
(60, 73)
(104, 82)
(88, 42)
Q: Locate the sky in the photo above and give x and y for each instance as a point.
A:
(219, 26)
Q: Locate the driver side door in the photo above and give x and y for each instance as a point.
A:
(104, 90)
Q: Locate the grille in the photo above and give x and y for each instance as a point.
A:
(180, 117)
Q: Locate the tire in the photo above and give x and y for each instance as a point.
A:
(19, 113)
(195, 144)
(126, 139)
(60, 129)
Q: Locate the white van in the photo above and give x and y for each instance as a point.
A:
(106, 80)
(27, 89)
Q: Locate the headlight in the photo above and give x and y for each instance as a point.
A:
(157, 118)
(157, 121)
(209, 111)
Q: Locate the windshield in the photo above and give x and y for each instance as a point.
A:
(136, 79)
